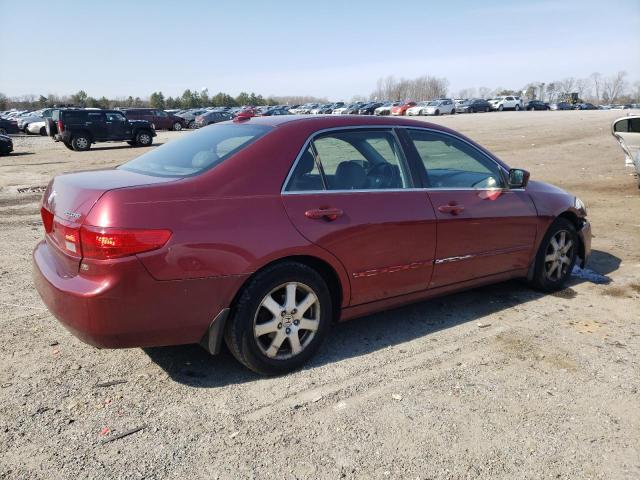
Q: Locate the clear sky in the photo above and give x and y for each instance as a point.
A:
(328, 48)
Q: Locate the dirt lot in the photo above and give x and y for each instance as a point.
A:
(500, 382)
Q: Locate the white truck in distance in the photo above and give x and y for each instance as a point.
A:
(506, 102)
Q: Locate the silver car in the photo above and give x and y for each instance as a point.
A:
(627, 131)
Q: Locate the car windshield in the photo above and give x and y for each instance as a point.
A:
(433, 104)
(197, 152)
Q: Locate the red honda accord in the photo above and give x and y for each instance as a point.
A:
(265, 231)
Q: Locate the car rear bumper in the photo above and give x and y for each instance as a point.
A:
(124, 306)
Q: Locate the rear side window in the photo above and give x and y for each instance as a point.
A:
(74, 117)
(196, 152)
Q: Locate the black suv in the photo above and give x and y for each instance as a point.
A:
(78, 129)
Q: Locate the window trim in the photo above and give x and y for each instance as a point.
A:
(407, 157)
(309, 141)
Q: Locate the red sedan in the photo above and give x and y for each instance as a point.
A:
(265, 231)
(400, 110)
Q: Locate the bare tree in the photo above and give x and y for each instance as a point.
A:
(596, 79)
(485, 92)
(613, 86)
(582, 87)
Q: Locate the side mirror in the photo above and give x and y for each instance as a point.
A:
(518, 178)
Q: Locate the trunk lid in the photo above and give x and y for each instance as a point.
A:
(70, 197)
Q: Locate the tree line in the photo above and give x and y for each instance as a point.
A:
(188, 99)
(596, 88)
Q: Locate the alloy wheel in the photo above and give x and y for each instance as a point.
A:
(287, 320)
(558, 256)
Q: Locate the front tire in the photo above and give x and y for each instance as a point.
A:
(281, 318)
(81, 143)
(517, 107)
(43, 131)
(501, 108)
(556, 256)
(176, 127)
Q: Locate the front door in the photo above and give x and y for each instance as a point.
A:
(484, 228)
(117, 126)
(351, 193)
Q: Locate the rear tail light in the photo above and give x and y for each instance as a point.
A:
(104, 243)
(101, 243)
(47, 219)
(60, 126)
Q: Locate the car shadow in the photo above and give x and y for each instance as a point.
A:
(191, 365)
(19, 154)
(120, 147)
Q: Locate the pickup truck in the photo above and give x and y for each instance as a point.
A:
(506, 102)
(78, 129)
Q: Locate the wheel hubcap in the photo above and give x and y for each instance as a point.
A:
(558, 256)
(81, 142)
(144, 139)
(286, 320)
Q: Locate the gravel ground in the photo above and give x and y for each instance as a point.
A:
(498, 382)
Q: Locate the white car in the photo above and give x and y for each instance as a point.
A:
(440, 106)
(385, 109)
(627, 132)
(506, 102)
(419, 109)
(340, 111)
(37, 128)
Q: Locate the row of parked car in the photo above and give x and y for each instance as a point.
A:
(35, 122)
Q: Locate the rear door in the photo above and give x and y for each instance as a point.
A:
(351, 193)
(117, 126)
(96, 124)
(484, 228)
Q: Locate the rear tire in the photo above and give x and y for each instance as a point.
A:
(556, 256)
(453, 111)
(271, 331)
(3, 131)
(43, 131)
(517, 107)
(176, 127)
(437, 112)
(501, 108)
(81, 143)
(192, 124)
(487, 110)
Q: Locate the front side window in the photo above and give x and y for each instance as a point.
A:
(196, 152)
(452, 163)
(351, 160)
(115, 117)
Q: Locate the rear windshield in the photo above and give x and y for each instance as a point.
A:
(196, 152)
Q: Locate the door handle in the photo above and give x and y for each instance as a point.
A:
(452, 209)
(327, 213)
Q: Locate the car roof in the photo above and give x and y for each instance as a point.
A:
(332, 121)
